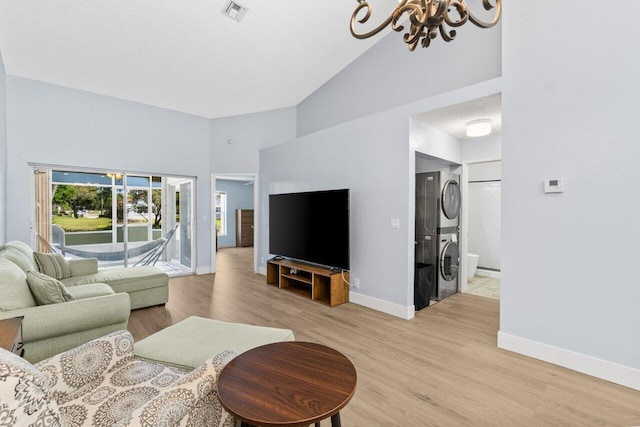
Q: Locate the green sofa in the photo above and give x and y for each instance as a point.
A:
(103, 300)
(147, 286)
(54, 328)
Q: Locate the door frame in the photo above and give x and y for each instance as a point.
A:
(464, 212)
(256, 216)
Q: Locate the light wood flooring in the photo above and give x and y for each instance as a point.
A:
(441, 368)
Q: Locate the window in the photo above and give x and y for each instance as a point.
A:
(221, 213)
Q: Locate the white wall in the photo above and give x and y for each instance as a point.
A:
(484, 212)
(3, 152)
(60, 126)
(426, 163)
(483, 148)
(433, 142)
(570, 291)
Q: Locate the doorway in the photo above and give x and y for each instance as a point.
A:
(235, 204)
(483, 182)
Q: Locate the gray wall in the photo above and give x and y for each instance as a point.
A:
(248, 134)
(373, 156)
(570, 291)
(239, 196)
(60, 126)
(3, 152)
(388, 75)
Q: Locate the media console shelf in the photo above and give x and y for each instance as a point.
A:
(316, 283)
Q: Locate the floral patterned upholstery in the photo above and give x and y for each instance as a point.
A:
(100, 383)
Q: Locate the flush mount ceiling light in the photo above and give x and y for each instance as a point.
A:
(427, 18)
(479, 127)
(234, 11)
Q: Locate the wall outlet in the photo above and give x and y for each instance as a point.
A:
(395, 222)
(261, 260)
(356, 283)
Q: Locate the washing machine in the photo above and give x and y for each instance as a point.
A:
(448, 266)
(448, 202)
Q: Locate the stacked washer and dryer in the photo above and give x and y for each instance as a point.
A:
(437, 230)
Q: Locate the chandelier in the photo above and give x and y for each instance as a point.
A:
(427, 18)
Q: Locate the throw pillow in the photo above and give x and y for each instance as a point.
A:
(54, 265)
(47, 290)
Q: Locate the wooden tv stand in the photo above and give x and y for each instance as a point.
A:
(313, 282)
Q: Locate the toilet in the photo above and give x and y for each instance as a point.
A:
(472, 264)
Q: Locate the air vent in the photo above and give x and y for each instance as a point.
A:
(234, 10)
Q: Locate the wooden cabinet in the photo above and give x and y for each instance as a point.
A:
(316, 283)
(244, 227)
(11, 335)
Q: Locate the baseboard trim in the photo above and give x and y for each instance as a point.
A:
(262, 270)
(609, 371)
(203, 270)
(487, 273)
(383, 306)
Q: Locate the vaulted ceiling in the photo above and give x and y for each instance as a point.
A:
(184, 55)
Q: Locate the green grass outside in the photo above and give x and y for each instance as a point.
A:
(82, 224)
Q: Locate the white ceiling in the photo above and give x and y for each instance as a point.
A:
(184, 55)
(453, 119)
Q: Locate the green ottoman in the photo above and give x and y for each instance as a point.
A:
(188, 343)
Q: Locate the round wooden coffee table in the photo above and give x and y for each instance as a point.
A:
(288, 383)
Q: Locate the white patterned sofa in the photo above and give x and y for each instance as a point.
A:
(101, 383)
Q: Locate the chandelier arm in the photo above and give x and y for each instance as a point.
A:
(427, 19)
(417, 14)
(447, 35)
(365, 18)
(488, 6)
(461, 10)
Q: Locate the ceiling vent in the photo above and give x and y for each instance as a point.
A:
(234, 11)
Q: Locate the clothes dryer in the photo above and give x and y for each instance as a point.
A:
(448, 266)
(437, 203)
(448, 203)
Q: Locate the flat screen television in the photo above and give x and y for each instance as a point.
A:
(311, 226)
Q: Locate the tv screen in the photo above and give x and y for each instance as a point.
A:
(311, 226)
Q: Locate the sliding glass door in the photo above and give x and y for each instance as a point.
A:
(123, 219)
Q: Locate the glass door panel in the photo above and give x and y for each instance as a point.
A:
(115, 217)
(180, 203)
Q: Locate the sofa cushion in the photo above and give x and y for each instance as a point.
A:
(83, 266)
(53, 265)
(90, 291)
(25, 249)
(18, 258)
(14, 290)
(124, 279)
(47, 290)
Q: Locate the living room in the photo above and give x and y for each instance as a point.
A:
(356, 131)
